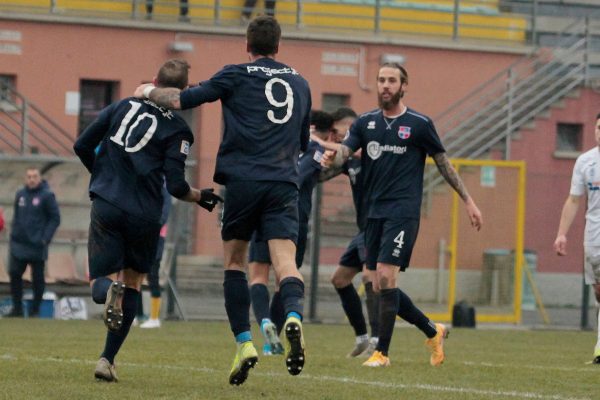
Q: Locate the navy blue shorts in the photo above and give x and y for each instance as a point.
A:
(301, 244)
(354, 256)
(118, 240)
(269, 208)
(259, 251)
(390, 241)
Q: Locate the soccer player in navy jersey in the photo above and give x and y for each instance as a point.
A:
(271, 319)
(266, 106)
(352, 260)
(140, 145)
(395, 141)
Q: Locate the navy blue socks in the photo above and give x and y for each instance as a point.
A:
(260, 301)
(100, 289)
(292, 296)
(237, 301)
(114, 340)
(353, 308)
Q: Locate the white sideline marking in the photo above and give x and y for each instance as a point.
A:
(593, 370)
(323, 378)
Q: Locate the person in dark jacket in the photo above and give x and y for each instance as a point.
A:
(35, 219)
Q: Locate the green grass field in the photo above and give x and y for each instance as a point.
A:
(45, 359)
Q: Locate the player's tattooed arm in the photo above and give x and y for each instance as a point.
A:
(330, 173)
(166, 97)
(336, 158)
(450, 175)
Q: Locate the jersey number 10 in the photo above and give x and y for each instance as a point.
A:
(118, 137)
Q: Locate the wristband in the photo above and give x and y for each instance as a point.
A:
(147, 90)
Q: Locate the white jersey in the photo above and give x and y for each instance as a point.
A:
(586, 180)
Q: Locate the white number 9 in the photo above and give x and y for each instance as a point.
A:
(289, 100)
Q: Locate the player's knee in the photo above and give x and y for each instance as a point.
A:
(338, 281)
(385, 281)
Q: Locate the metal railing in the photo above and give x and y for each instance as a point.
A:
(495, 110)
(455, 19)
(26, 129)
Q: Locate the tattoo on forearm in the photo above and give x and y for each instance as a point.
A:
(342, 155)
(450, 175)
(166, 97)
(330, 173)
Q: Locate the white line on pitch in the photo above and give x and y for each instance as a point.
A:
(324, 378)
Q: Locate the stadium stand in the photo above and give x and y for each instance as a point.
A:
(477, 19)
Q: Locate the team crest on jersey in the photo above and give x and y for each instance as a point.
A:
(185, 147)
(371, 125)
(35, 201)
(404, 132)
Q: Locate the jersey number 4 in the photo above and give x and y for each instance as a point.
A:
(399, 240)
(118, 137)
(288, 102)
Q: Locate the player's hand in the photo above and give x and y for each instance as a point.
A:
(328, 157)
(560, 245)
(139, 91)
(474, 214)
(208, 199)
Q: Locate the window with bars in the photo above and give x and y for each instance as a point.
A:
(569, 137)
(94, 96)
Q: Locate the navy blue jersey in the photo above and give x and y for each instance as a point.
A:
(140, 144)
(393, 160)
(266, 107)
(352, 168)
(310, 169)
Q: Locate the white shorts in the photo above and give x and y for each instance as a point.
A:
(591, 268)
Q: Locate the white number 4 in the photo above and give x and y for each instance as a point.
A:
(399, 240)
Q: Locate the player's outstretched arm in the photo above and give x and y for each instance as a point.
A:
(336, 158)
(330, 173)
(451, 176)
(567, 216)
(205, 198)
(324, 143)
(164, 97)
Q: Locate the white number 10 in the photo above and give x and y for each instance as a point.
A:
(289, 100)
(118, 137)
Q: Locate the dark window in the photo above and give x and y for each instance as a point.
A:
(94, 96)
(569, 137)
(7, 87)
(332, 102)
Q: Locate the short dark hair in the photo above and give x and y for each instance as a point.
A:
(403, 73)
(322, 121)
(343, 112)
(173, 73)
(598, 117)
(263, 36)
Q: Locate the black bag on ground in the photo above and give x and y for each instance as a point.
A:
(463, 315)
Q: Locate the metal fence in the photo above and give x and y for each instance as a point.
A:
(511, 21)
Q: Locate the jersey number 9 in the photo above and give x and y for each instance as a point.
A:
(288, 102)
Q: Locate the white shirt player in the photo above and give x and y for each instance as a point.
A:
(586, 179)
